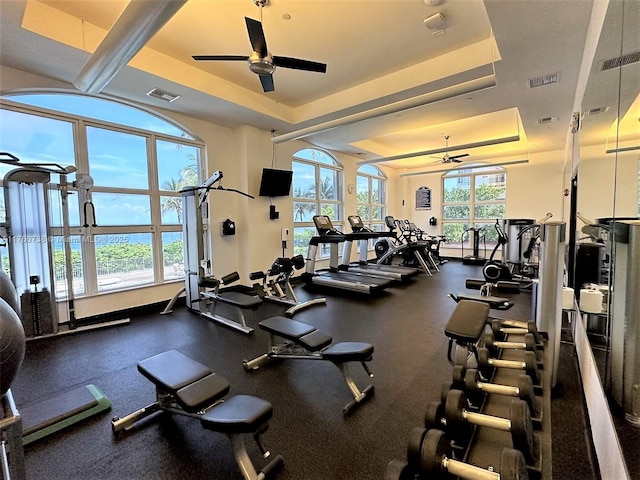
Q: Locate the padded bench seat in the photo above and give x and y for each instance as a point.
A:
(238, 414)
(303, 341)
(467, 321)
(348, 352)
(186, 387)
(193, 384)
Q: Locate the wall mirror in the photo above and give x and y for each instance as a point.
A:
(608, 177)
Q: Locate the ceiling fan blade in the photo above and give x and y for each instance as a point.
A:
(256, 36)
(267, 83)
(453, 157)
(221, 57)
(298, 64)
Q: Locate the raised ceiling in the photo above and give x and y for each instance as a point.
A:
(388, 81)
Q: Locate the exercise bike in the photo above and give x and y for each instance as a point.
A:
(497, 270)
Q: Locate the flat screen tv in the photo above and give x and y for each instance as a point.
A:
(275, 183)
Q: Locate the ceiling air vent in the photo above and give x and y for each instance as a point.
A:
(163, 95)
(544, 80)
(546, 120)
(597, 110)
(621, 61)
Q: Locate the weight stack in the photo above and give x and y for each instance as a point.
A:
(36, 313)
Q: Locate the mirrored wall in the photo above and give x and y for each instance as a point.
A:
(607, 186)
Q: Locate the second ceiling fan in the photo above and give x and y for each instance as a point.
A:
(261, 62)
(446, 158)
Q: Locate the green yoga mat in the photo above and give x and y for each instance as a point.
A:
(59, 412)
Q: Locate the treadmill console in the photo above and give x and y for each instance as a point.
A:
(356, 224)
(324, 225)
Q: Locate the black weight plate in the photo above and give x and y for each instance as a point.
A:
(525, 386)
(414, 446)
(488, 340)
(453, 410)
(513, 465)
(531, 363)
(434, 415)
(398, 470)
(458, 375)
(435, 446)
(471, 380)
(521, 428)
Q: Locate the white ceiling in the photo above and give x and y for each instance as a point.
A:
(386, 74)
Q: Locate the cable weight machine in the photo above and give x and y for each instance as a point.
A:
(28, 234)
(197, 262)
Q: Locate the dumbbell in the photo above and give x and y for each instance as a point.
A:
(458, 421)
(502, 327)
(399, 470)
(529, 364)
(494, 346)
(473, 382)
(436, 459)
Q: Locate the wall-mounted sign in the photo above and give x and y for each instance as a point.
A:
(423, 198)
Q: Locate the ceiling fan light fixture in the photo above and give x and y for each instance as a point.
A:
(261, 66)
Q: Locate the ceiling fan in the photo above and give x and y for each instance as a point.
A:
(261, 62)
(450, 158)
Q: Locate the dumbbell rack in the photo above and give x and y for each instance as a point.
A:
(485, 445)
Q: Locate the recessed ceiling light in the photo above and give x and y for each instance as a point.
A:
(286, 16)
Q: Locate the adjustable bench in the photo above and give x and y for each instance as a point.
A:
(486, 290)
(304, 341)
(465, 327)
(242, 301)
(184, 386)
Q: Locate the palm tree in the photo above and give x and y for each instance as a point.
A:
(188, 177)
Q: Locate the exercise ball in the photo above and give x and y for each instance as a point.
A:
(12, 345)
(8, 292)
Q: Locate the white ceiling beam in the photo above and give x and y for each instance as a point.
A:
(139, 21)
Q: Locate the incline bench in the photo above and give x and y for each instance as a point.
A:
(185, 386)
(241, 301)
(465, 327)
(303, 341)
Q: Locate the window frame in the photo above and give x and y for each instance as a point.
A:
(155, 228)
(490, 235)
(317, 201)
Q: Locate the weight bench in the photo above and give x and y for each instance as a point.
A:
(486, 289)
(465, 327)
(304, 341)
(242, 301)
(185, 386)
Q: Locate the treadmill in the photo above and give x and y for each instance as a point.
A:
(333, 277)
(360, 233)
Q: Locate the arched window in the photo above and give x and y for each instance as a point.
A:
(138, 161)
(473, 197)
(371, 196)
(317, 190)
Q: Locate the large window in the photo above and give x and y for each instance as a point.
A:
(473, 198)
(138, 163)
(317, 190)
(371, 186)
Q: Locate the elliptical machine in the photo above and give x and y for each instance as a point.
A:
(497, 270)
